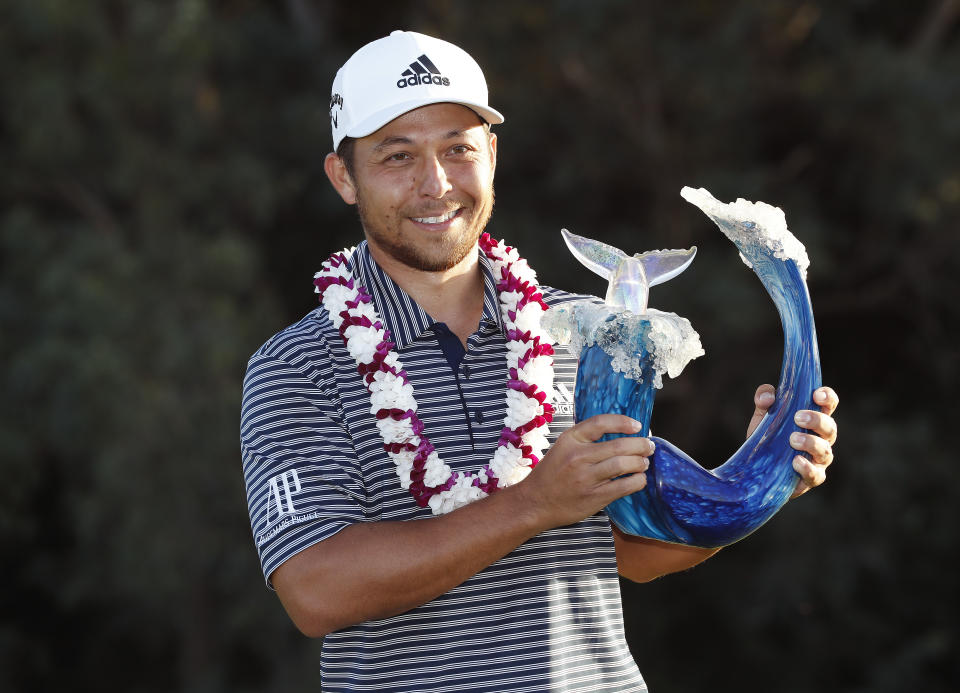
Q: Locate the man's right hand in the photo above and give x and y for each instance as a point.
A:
(578, 476)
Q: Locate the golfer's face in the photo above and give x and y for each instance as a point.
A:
(424, 186)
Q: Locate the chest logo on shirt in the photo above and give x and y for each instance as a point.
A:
(562, 399)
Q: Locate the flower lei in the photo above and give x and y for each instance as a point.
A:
(523, 438)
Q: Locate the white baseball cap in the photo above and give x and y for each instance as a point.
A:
(398, 73)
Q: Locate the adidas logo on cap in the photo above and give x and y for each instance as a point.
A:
(422, 71)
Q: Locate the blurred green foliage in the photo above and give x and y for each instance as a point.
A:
(163, 208)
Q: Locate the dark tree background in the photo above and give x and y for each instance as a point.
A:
(163, 208)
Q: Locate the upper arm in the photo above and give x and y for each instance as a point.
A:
(300, 469)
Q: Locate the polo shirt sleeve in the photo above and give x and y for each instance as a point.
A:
(300, 469)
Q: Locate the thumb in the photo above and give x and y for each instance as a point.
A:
(763, 399)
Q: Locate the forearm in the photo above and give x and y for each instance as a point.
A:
(642, 560)
(379, 569)
(376, 570)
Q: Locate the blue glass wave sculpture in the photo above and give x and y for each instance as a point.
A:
(624, 348)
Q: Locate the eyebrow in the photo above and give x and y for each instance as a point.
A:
(390, 141)
(398, 139)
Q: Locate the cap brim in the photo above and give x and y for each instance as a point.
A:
(371, 124)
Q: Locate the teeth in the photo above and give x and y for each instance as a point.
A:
(437, 220)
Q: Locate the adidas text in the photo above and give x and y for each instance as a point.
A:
(423, 79)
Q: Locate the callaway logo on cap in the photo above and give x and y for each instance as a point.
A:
(401, 72)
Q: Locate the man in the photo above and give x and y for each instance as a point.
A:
(516, 588)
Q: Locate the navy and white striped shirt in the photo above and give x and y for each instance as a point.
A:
(546, 617)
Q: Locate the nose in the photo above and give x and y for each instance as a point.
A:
(433, 181)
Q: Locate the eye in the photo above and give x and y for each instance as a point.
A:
(398, 156)
(462, 150)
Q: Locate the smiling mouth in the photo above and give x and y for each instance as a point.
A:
(438, 220)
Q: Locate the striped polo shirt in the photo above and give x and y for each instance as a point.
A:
(546, 617)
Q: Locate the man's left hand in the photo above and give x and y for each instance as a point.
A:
(818, 443)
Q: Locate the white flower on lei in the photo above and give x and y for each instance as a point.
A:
(436, 471)
(505, 462)
(364, 310)
(362, 342)
(397, 431)
(515, 475)
(510, 298)
(385, 380)
(520, 409)
(537, 440)
(528, 317)
(462, 493)
(391, 400)
(334, 300)
(404, 465)
(508, 257)
(516, 351)
(387, 391)
(522, 271)
(538, 370)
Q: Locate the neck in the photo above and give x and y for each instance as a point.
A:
(453, 296)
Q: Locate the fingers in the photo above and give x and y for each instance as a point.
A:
(614, 467)
(625, 485)
(827, 399)
(627, 446)
(578, 476)
(617, 477)
(597, 426)
(621, 468)
(579, 443)
(820, 451)
(763, 398)
(811, 475)
(818, 444)
(813, 471)
(613, 458)
(822, 424)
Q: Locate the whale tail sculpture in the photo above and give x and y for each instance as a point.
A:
(629, 277)
(683, 502)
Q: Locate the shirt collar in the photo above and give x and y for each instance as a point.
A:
(400, 314)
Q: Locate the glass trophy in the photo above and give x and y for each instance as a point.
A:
(625, 348)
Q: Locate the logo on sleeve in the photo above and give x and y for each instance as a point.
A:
(289, 482)
(422, 71)
(281, 492)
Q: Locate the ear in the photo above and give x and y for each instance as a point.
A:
(336, 171)
(493, 152)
